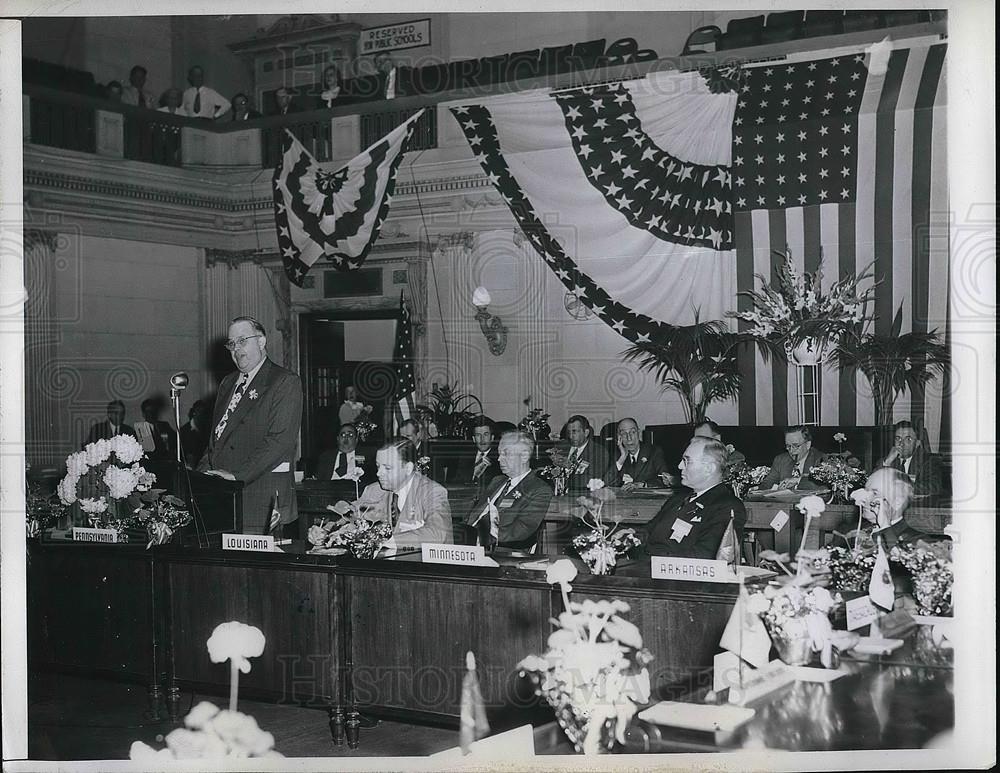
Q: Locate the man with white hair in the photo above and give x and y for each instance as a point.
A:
(693, 525)
(512, 509)
(891, 492)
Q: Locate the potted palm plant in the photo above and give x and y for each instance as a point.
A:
(697, 361)
(892, 362)
(450, 411)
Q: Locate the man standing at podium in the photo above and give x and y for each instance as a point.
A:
(255, 430)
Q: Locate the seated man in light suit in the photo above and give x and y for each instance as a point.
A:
(693, 525)
(513, 506)
(790, 469)
(415, 505)
(342, 463)
(638, 464)
(908, 456)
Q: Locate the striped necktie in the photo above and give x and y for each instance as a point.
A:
(241, 384)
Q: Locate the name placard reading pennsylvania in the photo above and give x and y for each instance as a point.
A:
(468, 555)
(259, 543)
(84, 534)
(696, 569)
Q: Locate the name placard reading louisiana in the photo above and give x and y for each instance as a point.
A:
(85, 534)
(467, 555)
(260, 543)
(696, 569)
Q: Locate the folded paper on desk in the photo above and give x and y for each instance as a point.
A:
(807, 674)
(519, 742)
(537, 566)
(697, 716)
(868, 646)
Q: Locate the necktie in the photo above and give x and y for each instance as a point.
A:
(394, 509)
(480, 465)
(142, 99)
(197, 101)
(573, 454)
(341, 464)
(495, 522)
(234, 400)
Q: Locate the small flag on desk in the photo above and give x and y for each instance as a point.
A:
(275, 515)
(880, 588)
(474, 724)
(745, 635)
(729, 548)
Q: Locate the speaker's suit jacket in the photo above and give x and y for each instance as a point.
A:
(694, 529)
(649, 463)
(260, 435)
(782, 468)
(925, 472)
(522, 510)
(426, 514)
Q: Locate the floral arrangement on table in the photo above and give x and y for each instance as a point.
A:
(797, 619)
(361, 537)
(743, 478)
(930, 567)
(160, 514)
(795, 318)
(837, 473)
(104, 481)
(600, 547)
(365, 427)
(558, 472)
(536, 423)
(210, 732)
(594, 672)
(41, 510)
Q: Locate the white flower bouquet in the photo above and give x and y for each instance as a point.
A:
(594, 672)
(600, 547)
(104, 480)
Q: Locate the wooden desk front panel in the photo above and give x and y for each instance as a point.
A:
(90, 609)
(409, 637)
(295, 608)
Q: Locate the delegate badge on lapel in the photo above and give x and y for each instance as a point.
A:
(680, 529)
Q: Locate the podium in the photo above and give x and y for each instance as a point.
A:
(216, 505)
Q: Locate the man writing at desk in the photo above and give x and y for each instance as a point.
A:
(693, 525)
(415, 505)
(790, 469)
(255, 430)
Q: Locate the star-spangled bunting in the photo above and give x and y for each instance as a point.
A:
(337, 215)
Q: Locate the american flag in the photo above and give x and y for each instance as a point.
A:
(404, 399)
(843, 165)
(336, 215)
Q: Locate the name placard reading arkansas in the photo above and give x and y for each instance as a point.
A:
(696, 569)
(85, 534)
(259, 543)
(466, 555)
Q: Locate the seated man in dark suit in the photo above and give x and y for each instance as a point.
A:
(512, 509)
(344, 462)
(908, 456)
(693, 525)
(790, 469)
(483, 467)
(582, 455)
(639, 464)
(891, 491)
(709, 428)
(114, 425)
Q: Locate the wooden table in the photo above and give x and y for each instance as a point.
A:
(390, 634)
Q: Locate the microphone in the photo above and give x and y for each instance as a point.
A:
(179, 381)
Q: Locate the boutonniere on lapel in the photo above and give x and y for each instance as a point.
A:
(252, 394)
(644, 460)
(515, 494)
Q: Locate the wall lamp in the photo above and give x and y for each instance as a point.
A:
(492, 327)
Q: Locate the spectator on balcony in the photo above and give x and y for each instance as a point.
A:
(333, 88)
(113, 91)
(135, 93)
(171, 101)
(388, 76)
(241, 109)
(284, 102)
(201, 101)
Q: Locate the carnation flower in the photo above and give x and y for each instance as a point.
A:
(235, 641)
(93, 506)
(594, 484)
(563, 572)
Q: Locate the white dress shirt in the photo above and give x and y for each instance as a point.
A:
(213, 104)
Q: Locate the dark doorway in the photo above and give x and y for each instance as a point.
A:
(341, 349)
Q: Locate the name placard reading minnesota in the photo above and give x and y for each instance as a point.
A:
(85, 534)
(467, 555)
(259, 543)
(392, 37)
(696, 569)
